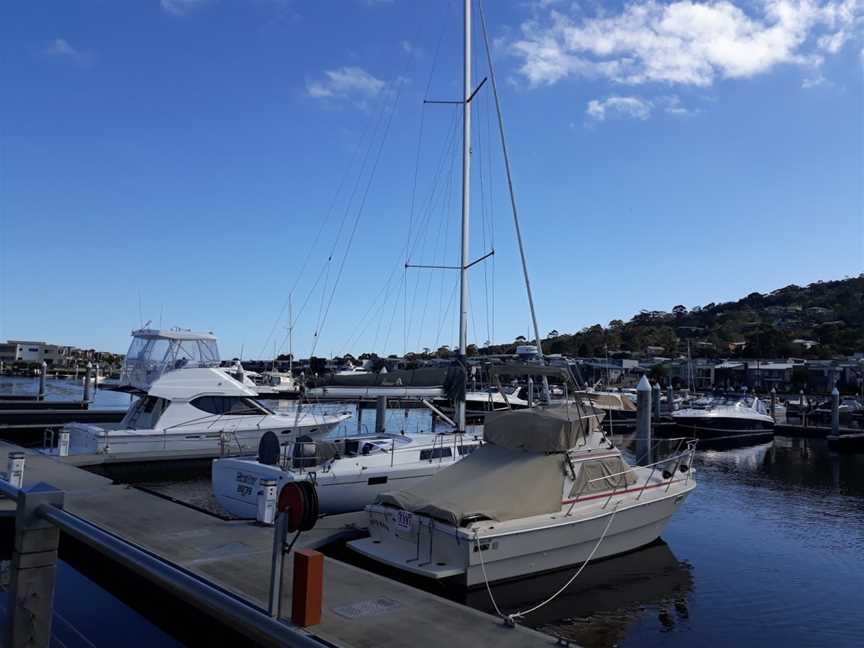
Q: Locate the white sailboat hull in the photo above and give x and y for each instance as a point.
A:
(236, 483)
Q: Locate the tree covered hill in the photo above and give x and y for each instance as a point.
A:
(821, 320)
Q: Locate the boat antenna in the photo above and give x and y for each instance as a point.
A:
(510, 184)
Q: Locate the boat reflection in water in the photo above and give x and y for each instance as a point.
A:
(598, 608)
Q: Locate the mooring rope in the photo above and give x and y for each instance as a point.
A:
(510, 619)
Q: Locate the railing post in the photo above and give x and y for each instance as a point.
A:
(774, 404)
(280, 531)
(34, 566)
(835, 411)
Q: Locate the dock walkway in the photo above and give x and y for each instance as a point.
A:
(361, 609)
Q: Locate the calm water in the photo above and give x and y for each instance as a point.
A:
(63, 389)
(769, 549)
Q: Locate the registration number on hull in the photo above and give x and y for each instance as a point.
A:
(404, 521)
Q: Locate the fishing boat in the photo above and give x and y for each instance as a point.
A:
(547, 489)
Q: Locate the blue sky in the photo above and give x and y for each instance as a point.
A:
(191, 155)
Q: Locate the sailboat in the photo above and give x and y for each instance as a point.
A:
(546, 489)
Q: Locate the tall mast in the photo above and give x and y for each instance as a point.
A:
(290, 337)
(466, 202)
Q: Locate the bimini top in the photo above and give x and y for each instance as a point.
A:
(541, 429)
(154, 352)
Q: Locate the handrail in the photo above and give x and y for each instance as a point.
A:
(240, 615)
(236, 613)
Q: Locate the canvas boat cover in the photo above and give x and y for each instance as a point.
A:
(493, 482)
(609, 401)
(540, 429)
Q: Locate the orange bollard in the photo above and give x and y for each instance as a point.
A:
(308, 588)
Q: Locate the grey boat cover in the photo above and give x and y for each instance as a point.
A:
(540, 429)
(496, 483)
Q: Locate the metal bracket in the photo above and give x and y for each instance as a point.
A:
(468, 100)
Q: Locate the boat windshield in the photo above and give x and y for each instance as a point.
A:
(153, 353)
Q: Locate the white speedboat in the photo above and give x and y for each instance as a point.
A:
(202, 410)
(349, 473)
(546, 490)
(735, 417)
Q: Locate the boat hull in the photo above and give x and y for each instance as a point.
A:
(437, 553)
(236, 483)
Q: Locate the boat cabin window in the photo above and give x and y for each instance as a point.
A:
(145, 413)
(435, 453)
(228, 405)
(467, 449)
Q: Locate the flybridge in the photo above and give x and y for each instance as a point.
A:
(154, 352)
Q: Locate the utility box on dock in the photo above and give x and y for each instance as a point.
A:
(307, 595)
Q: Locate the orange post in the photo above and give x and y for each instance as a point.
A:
(308, 587)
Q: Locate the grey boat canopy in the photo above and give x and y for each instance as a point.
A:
(555, 428)
(517, 473)
(492, 482)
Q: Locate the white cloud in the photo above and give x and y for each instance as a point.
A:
(349, 83)
(684, 42)
(627, 106)
(636, 107)
(60, 49)
(182, 7)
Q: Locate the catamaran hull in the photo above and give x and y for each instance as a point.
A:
(435, 552)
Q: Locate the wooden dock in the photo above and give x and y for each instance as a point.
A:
(360, 609)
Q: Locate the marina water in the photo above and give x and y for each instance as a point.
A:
(767, 550)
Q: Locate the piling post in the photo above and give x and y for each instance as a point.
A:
(643, 421)
(801, 410)
(670, 398)
(96, 376)
(835, 411)
(655, 400)
(34, 565)
(380, 414)
(43, 373)
(88, 387)
(774, 404)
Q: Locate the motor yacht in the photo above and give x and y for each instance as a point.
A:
(203, 410)
(546, 489)
(349, 473)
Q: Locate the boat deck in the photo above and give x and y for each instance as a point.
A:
(360, 608)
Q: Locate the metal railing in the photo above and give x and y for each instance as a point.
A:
(38, 520)
(677, 458)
